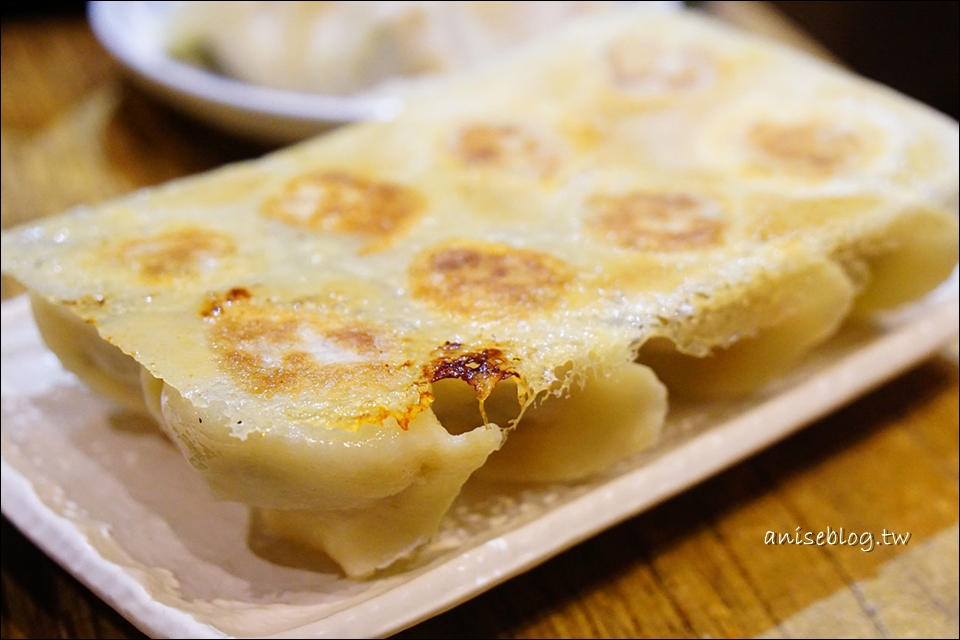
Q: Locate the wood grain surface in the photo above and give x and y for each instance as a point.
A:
(75, 131)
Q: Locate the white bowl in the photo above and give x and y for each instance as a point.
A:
(135, 32)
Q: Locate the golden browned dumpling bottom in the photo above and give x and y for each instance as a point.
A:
(506, 282)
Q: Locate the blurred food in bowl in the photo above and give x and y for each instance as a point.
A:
(346, 48)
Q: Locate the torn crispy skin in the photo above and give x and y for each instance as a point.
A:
(482, 370)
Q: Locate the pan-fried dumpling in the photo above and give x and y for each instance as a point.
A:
(504, 282)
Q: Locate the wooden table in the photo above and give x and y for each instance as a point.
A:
(73, 131)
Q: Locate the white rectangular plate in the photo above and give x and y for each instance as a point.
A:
(112, 500)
